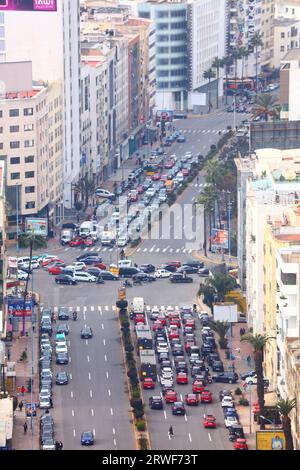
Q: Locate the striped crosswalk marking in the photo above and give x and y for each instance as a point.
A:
(178, 250)
(171, 250)
(145, 249)
(157, 250)
(92, 308)
(104, 249)
(138, 250)
(106, 308)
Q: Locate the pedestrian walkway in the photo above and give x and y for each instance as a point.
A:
(103, 309)
(152, 249)
(214, 258)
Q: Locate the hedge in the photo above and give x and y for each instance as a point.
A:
(141, 425)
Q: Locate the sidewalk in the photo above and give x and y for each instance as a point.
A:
(214, 258)
(240, 351)
(30, 440)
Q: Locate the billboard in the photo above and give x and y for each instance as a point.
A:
(37, 226)
(28, 5)
(226, 312)
(16, 308)
(219, 239)
(270, 440)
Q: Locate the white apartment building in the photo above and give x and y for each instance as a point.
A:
(31, 143)
(55, 57)
(289, 86)
(286, 37)
(272, 186)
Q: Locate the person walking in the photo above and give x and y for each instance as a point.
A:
(248, 360)
(23, 390)
(171, 433)
(61, 446)
(56, 445)
(21, 404)
(51, 402)
(25, 427)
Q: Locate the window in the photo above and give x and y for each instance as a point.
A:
(1, 113)
(289, 279)
(29, 174)
(15, 176)
(28, 127)
(14, 128)
(163, 50)
(29, 159)
(30, 205)
(282, 35)
(163, 38)
(15, 160)
(144, 14)
(162, 14)
(163, 61)
(29, 189)
(178, 13)
(13, 113)
(160, 26)
(281, 48)
(1, 130)
(28, 111)
(15, 144)
(163, 73)
(1, 145)
(29, 143)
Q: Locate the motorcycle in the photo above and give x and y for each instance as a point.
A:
(127, 284)
(74, 316)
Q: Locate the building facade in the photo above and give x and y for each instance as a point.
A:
(289, 90)
(286, 37)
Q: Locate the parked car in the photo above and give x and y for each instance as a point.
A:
(65, 279)
(226, 377)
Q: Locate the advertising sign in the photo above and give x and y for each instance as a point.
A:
(164, 115)
(219, 239)
(28, 5)
(37, 226)
(15, 307)
(226, 312)
(270, 440)
(28, 409)
(13, 262)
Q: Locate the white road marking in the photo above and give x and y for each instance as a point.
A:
(138, 250)
(104, 342)
(190, 437)
(98, 249)
(178, 249)
(84, 317)
(92, 308)
(94, 432)
(73, 413)
(69, 343)
(90, 377)
(92, 411)
(152, 249)
(145, 249)
(169, 436)
(102, 326)
(74, 433)
(157, 250)
(171, 250)
(181, 398)
(86, 342)
(70, 375)
(185, 417)
(88, 358)
(109, 392)
(106, 374)
(104, 249)
(209, 437)
(165, 414)
(111, 249)
(165, 249)
(72, 395)
(106, 308)
(115, 442)
(105, 357)
(91, 393)
(70, 359)
(114, 431)
(78, 308)
(111, 411)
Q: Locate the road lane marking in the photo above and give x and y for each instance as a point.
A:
(185, 417)
(84, 317)
(165, 249)
(111, 411)
(73, 413)
(86, 341)
(78, 308)
(165, 414)
(91, 393)
(114, 431)
(88, 358)
(92, 411)
(109, 392)
(102, 326)
(92, 308)
(72, 395)
(152, 249)
(90, 377)
(157, 250)
(115, 442)
(69, 343)
(104, 342)
(181, 398)
(105, 357)
(106, 308)
(94, 432)
(190, 437)
(209, 437)
(70, 375)
(70, 359)
(74, 433)
(145, 250)
(106, 374)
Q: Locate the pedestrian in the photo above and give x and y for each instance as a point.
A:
(241, 332)
(248, 360)
(198, 179)
(51, 402)
(61, 446)
(23, 390)
(25, 427)
(135, 265)
(56, 445)
(171, 433)
(21, 404)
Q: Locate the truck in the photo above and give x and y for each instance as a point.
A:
(148, 364)
(108, 238)
(138, 305)
(86, 228)
(66, 236)
(144, 337)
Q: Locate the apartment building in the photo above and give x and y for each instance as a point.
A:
(272, 184)
(292, 380)
(286, 37)
(3, 264)
(289, 89)
(267, 33)
(31, 143)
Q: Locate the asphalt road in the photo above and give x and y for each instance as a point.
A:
(96, 398)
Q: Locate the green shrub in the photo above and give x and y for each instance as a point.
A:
(138, 413)
(171, 199)
(244, 402)
(238, 391)
(136, 403)
(135, 393)
(134, 382)
(141, 425)
(129, 356)
(143, 443)
(129, 347)
(132, 372)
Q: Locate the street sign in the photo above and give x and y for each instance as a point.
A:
(15, 306)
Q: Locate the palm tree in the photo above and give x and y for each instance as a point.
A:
(208, 295)
(221, 283)
(227, 62)
(285, 407)
(208, 75)
(256, 42)
(217, 64)
(243, 53)
(258, 342)
(86, 187)
(213, 176)
(221, 328)
(207, 198)
(266, 105)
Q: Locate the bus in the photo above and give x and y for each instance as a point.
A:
(152, 168)
(233, 85)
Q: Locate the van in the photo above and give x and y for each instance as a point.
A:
(86, 228)
(138, 305)
(104, 193)
(25, 259)
(128, 272)
(125, 263)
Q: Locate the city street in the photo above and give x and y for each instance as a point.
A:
(96, 397)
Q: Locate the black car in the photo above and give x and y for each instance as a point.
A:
(86, 332)
(108, 276)
(194, 264)
(211, 357)
(236, 432)
(147, 268)
(62, 378)
(45, 419)
(181, 366)
(165, 363)
(143, 277)
(90, 260)
(62, 358)
(180, 278)
(164, 356)
(88, 255)
(63, 328)
(217, 366)
(203, 272)
(188, 269)
(178, 408)
(177, 351)
(180, 139)
(46, 328)
(63, 313)
(128, 272)
(226, 377)
(65, 279)
(156, 403)
(206, 349)
(94, 271)
(46, 436)
(46, 364)
(251, 373)
(170, 267)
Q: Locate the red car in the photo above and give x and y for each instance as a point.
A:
(173, 333)
(88, 241)
(185, 172)
(162, 319)
(169, 164)
(148, 384)
(182, 378)
(175, 321)
(171, 396)
(55, 270)
(164, 177)
(192, 399)
(78, 241)
(177, 264)
(209, 421)
(100, 266)
(240, 444)
(157, 325)
(188, 344)
(206, 396)
(155, 177)
(198, 386)
(47, 262)
(139, 319)
(190, 323)
(140, 189)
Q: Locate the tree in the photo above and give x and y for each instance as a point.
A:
(221, 283)
(208, 75)
(227, 62)
(208, 295)
(217, 64)
(256, 42)
(221, 328)
(86, 187)
(285, 407)
(244, 52)
(38, 241)
(207, 198)
(258, 342)
(266, 105)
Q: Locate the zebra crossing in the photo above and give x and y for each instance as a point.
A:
(202, 131)
(152, 249)
(102, 309)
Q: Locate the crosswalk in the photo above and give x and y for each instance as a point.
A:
(202, 131)
(102, 309)
(151, 250)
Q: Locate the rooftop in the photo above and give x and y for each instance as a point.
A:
(292, 54)
(282, 22)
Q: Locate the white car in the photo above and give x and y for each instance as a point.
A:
(230, 421)
(22, 276)
(77, 266)
(34, 265)
(61, 348)
(167, 373)
(188, 155)
(251, 380)
(84, 277)
(122, 241)
(150, 192)
(44, 394)
(44, 403)
(167, 382)
(104, 193)
(227, 402)
(162, 273)
(162, 348)
(179, 177)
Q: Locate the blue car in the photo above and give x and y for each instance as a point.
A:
(87, 438)
(230, 412)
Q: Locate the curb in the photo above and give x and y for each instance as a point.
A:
(196, 255)
(132, 251)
